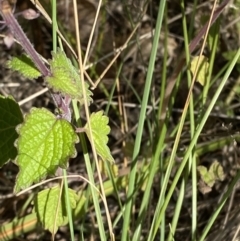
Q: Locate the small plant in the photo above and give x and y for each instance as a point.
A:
(174, 154)
(41, 142)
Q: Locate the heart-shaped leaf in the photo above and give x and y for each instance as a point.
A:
(45, 143)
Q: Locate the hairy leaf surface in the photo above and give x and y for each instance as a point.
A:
(100, 130)
(45, 143)
(65, 78)
(25, 66)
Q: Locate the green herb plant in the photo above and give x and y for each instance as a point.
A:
(41, 142)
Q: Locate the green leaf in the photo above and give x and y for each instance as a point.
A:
(25, 66)
(212, 175)
(206, 176)
(51, 209)
(203, 68)
(10, 117)
(216, 170)
(45, 143)
(100, 130)
(65, 78)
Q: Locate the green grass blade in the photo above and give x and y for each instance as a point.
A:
(191, 110)
(127, 212)
(158, 215)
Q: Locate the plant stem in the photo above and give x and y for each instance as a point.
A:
(20, 36)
